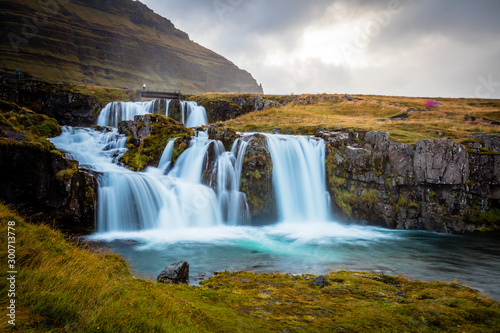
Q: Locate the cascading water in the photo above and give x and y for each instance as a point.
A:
(131, 201)
(227, 174)
(115, 112)
(299, 177)
(167, 107)
(166, 157)
(193, 115)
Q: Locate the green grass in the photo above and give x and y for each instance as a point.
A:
(102, 94)
(452, 119)
(63, 285)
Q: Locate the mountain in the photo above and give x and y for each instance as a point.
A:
(114, 43)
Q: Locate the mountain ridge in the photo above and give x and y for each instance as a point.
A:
(114, 43)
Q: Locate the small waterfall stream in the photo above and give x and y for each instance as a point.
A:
(192, 114)
(115, 112)
(299, 178)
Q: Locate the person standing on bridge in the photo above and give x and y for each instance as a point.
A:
(144, 86)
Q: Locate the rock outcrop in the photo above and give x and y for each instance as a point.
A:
(148, 136)
(222, 107)
(177, 273)
(256, 180)
(46, 185)
(321, 281)
(436, 185)
(230, 106)
(53, 100)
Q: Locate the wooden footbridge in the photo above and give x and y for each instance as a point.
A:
(161, 95)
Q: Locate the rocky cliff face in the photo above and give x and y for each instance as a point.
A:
(434, 185)
(46, 185)
(114, 43)
(222, 107)
(53, 100)
(225, 107)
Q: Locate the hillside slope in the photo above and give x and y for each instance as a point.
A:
(115, 43)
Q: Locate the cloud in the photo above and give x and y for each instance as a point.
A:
(423, 47)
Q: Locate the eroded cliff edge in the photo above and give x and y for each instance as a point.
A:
(436, 185)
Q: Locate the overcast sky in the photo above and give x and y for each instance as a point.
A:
(431, 48)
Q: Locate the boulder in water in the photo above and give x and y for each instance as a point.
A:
(176, 273)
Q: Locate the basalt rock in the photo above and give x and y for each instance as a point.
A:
(54, 100)
(46, 185)
(436, 185)
(321, 281)
(224, 134)
(148, 136)
(223, 107)
(177, 273)
(256, 180)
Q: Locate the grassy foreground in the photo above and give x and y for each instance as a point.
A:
(65, 287)
(407, 119)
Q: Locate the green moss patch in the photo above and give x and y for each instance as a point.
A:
(149, 152)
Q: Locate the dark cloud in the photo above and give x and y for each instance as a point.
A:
(432, 48)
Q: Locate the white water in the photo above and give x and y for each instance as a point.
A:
(192, 115)
(299, 178)
(228, 173)
(115, 112)
(166, 157)
(131, 201)
(167, 107)
(177, 197)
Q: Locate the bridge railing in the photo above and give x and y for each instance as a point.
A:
(161, 94)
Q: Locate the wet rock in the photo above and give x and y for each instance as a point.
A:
(224, 134)
(321, 281)
(256, 180)
(47, 185)
(148, 136)
(176, 273)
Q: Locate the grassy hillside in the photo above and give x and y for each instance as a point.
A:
(115, 43)
(63, 285)
(407, 119)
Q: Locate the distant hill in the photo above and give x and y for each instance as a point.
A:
(115, 43)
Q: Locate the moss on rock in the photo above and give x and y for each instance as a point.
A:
(148, 137)
(256, 180)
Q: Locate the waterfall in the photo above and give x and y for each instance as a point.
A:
(227, 175)
(189, 166)
(299, 177)
(193, 115)
(115, 112)
(151, 200)
(166, 157)
(167, 107)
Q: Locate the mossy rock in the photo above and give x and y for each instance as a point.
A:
(147, 151)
